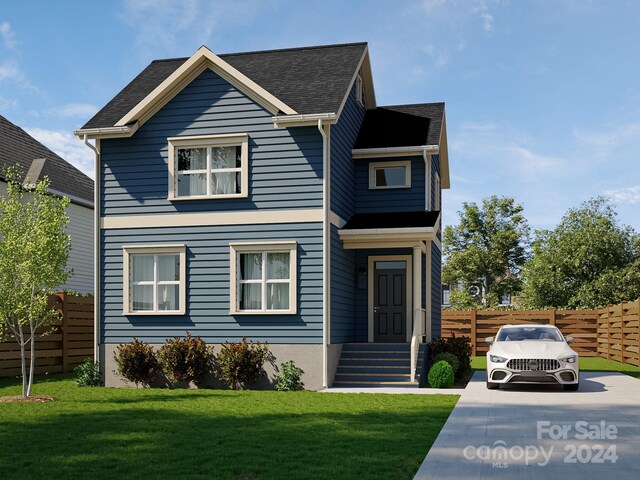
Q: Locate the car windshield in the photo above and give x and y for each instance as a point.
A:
(515, 334)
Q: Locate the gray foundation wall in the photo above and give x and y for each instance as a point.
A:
(307, 357)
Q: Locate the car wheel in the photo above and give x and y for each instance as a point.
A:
(493, 385)
(572, 387)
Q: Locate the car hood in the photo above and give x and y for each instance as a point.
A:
(531, 348)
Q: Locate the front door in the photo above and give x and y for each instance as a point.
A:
(390, 302)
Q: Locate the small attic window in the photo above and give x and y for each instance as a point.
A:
(359, 91)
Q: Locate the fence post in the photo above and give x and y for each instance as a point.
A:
(609, 331)
(623, 337)
(474, 336)
(552, 316)
(62, 297)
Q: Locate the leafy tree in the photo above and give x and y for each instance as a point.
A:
(487, 248)
(588, 260)
(33, 255)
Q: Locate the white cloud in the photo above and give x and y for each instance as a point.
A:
(9, 71)
(614, 137)
(8, 36)
(80, 110)
(628, 195)
(67, 146)
(8, 103)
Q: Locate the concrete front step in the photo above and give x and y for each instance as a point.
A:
(370, 377)
(378, 347)
(373, 362)
(376, 354)
(375, 369)
(350, 384)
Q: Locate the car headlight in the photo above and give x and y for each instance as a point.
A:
(497, 359)
(570, 359)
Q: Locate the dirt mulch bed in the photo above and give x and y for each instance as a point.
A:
(21, 399)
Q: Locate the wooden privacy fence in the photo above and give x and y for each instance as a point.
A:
(582, 325)
(70, 342)
(618, 333)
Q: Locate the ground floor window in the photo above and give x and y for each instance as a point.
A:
(263, 278)
(154, 279)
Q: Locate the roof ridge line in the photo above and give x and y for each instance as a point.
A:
(410, 104)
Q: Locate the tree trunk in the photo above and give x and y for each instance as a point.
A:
(23, 360)
(32, 366)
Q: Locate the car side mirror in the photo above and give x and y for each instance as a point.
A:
(489, 339)
(569, 340)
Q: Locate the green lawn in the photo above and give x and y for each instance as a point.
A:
(156, 433)
(587, 364)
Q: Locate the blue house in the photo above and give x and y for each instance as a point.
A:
(266, 195)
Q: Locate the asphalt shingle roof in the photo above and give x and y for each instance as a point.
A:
(308, 79)
(392, 220)
(17, 146)
(401, 126)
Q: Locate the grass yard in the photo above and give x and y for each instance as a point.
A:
(156, 433)
(587, 364)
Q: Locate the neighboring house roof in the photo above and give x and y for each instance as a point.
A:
(17, 146)
(309, 79)
(363, 221)
(401, 126)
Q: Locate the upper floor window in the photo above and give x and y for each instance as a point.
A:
(154, 279)
(209, 166)
(359, 90)
(437, 192)
(390, 174)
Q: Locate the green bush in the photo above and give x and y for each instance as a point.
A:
(459, 346)
(88, 374)
(450, 358)
(136, 362)
(441, 375)
(186, 359)
(240, 364)
(289, 378)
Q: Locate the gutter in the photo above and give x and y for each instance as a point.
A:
(394, 151)
(280, 121)
(106, 132)
(96, 248)
(326, 225)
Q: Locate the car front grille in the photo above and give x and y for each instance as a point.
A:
(532, 364)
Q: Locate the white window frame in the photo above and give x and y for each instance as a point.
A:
(373, 166)
(359, 90)
(127, 251)
(437, 192)
(235, 249)
(208, 142)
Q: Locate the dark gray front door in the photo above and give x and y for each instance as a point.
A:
(390, 302)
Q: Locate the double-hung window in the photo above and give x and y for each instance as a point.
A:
(154, 279)
(208, 166)
(263, 278)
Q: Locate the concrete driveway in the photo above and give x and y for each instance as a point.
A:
(541, 432)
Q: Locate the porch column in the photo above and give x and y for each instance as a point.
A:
(417, 283)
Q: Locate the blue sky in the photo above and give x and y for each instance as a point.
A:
(543, 96)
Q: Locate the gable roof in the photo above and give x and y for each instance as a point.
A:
(17, 146)
(401, 126)
(308, 79)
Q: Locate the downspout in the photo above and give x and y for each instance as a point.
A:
(96, 248)
(325, 253)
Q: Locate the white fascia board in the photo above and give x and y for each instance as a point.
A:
(357, 153)
(283, 121)
(107, 132)
(400, 232)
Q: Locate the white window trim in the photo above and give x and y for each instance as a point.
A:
(437, 190)
(127, 251)
(373, 166)
(260, 247)
(230, 140)
(359, 90)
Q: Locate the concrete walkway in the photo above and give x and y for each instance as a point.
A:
(536, 432)
(397, 390)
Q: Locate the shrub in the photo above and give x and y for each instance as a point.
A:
(450, 358)
(459, 346)
(88, 374)
(136, 362)
(185, 359)
(441, 375)
(289, 378)
(240, 364)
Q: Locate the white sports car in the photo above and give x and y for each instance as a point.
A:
(531, 354)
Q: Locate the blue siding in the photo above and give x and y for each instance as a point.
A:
(435, 168)
(391, 200)
(343, 137)
(208, 287)
(343, 291)
(436, 290)
(285, 165)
